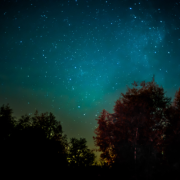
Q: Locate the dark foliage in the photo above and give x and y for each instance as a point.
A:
(79, 154)
(33, 146)
(146, 121)
(36, 146)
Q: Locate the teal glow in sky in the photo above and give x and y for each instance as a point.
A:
(74, 58)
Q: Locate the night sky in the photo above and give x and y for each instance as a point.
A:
(74, 58)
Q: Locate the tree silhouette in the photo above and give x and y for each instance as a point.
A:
(36, 145)
(7, 127)
(137, 120)
(34, 142)
(48, 123)
(79, 155)
(172, 133)
(7, 122)
(27, 148)
(56, 144)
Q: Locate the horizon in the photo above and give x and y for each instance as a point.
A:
(73, 58)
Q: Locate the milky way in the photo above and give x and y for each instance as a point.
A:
(74, 58)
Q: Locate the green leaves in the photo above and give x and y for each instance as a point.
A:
(79, 154)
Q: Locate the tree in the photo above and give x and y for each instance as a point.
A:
(7, 127)
(39, 143)
(172, 133)
(79, 155)
(108, 137)
(7, 122)
(55, 139)
(137, 120)
(48, 123)
(27, 147)
(149, 105)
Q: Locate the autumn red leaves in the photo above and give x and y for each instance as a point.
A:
(143, 117)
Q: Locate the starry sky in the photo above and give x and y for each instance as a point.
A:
(75, 57)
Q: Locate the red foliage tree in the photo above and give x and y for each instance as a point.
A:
(136, 115)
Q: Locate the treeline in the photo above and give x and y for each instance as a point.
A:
(37, 143)
(140, 139)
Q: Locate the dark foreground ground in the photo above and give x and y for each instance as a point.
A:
(159, 172)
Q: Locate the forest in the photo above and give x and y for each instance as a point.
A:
(140, 140)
